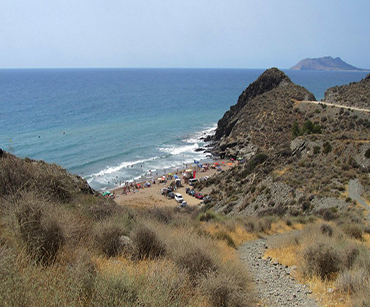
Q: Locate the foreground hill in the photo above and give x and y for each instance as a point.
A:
(324, 63)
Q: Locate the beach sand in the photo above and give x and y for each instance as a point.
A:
(152, 196)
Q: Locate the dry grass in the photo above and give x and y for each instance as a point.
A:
(333, 264)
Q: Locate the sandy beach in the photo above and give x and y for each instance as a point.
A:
(151, 196)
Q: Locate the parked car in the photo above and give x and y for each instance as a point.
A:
(191, 192)
(184, 204)
(198, 195)
(171, 195)
(193, 181)
(207, 199)
(205, 178)
(179, 198)
(165, 191)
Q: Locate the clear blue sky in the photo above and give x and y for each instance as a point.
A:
(182, 33)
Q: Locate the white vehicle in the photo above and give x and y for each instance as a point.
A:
(192, 181)
(179, 198)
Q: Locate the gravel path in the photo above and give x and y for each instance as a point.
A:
(354, 191)
(336, 105)
(273, 282)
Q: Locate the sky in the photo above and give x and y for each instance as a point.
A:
(181, 33)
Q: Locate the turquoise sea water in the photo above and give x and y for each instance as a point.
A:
(112, 125)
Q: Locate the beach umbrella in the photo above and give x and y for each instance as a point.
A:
(223, 162)
(176, 176)
(229, 164)
(170, 174)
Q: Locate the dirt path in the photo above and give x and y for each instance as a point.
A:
(355, 190)
(335, 105)
(273, 282)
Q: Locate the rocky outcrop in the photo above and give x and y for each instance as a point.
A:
(256, 119)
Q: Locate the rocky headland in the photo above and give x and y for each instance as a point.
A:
(297, 156)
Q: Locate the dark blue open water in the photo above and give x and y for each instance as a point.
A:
(112, 125)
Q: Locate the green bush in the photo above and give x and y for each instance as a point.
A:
(367, 153)
(327, 148)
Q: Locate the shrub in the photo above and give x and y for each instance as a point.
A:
(321, 259)
(161, 214)
(367, 153)
(354, 230)
(249, 226)
(114, 290)
(295, 130)
(327, 148)
(222, 290)
(103, 209)
(207, 216)
(223, 235)
(351, 281)
(147, 245)
(107, 238)
(41, 233)
(326, 229)
(196, 262)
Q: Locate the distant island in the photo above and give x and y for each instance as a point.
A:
(324, 63)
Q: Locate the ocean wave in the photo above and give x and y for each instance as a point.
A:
(197, 136)
(124, 165)
(177, 150)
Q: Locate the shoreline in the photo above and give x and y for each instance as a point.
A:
(152, 197)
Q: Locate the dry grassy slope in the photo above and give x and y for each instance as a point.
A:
(356, 94)
(300, 174)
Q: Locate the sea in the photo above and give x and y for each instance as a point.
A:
(115, 125)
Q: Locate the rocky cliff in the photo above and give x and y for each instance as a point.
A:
(255, 120)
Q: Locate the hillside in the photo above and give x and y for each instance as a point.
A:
(292, 209)
(356, 94)
(324, 63)
(298, 157)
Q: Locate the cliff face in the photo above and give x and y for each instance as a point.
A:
(325, 63)
(255, 119)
